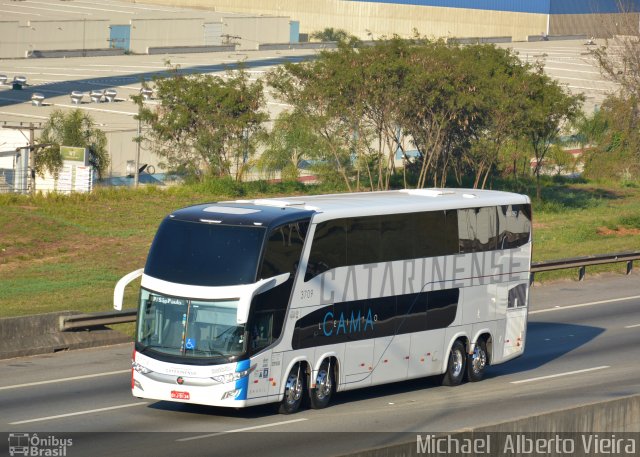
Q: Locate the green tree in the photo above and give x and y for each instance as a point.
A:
(441, 107)
(290, 142)
(324, 98)
(547, 110)
(500, 80)
(613, 136)
(204, 124)
(384, 68)
(72, 128)
(331, 34)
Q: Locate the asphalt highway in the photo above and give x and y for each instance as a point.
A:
(581, 347)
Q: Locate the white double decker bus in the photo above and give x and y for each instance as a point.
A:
(257, 301)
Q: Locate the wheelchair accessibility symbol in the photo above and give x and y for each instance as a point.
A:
(190, 344)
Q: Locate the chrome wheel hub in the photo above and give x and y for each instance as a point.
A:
(457, 362)
(323, 385)
(479, 360)
(293, 389)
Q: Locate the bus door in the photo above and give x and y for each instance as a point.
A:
(516, 320)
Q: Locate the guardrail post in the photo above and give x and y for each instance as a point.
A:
(581, 272)
(629, 266)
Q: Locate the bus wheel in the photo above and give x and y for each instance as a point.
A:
(293, 390)
(477, 362)
(320, 395)
(455, 368)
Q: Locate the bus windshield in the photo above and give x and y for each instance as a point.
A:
(205, 254)
(189, 328)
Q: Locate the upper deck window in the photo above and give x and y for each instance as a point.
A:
(384, 238)
(205, 254)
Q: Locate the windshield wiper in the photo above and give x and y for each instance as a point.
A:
(207, 352)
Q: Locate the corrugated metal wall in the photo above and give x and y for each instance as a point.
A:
(527, 6)
(518, 6)
(435, 18)
(593, 6)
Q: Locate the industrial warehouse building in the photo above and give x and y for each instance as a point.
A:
(518, 19)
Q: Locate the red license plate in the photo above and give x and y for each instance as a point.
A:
(180, 395)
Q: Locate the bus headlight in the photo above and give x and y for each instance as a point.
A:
(231, 377)
(139, 368)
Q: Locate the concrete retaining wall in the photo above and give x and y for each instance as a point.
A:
(618, 416)
(39, 334)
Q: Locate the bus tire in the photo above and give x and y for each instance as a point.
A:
(320, 395)
(294, 390)
(456, 365)
(477, 362)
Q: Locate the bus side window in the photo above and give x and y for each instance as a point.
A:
(363, 240)
(515, 231)
(283, 249)
(282, 254)
(329, 249)
(478, 229)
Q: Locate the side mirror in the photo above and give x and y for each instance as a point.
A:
(254, 289)
(118, 292)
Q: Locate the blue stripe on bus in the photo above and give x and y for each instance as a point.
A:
(242, 384)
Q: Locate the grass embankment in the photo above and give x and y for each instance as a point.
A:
(67, 252)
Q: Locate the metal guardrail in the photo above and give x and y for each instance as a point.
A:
(91, 320)
(583, 262)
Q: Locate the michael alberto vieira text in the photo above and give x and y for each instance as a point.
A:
(519, 444)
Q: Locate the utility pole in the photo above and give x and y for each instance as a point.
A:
(32, 158)
(136, 175)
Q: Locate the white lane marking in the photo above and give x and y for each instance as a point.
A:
(156, 67)
(73, 378)
(79, 413)
(598, 81)
(632, 326)
(246, 429)
(568, 373)
(573, 63)
(78, 68)
(581, 305)
(75, 75)
(572, 70)
(80, 7)
(9, 113)
(135, 7)
(589, 88)
(92, 8)
(16, 12)
(51, 9)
